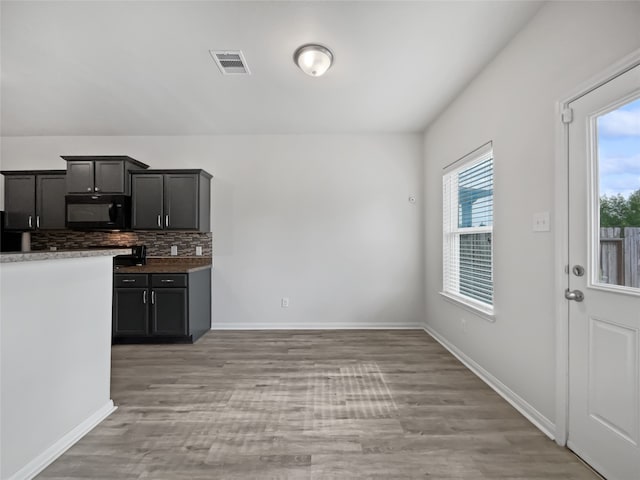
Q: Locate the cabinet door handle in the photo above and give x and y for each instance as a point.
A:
(153, 297)
(127, 280)
(89, 189)
(144, 297)
(167, 281)
(97, 189)
(160, 220)
(166, 220)
(37, 221)
(30, 222)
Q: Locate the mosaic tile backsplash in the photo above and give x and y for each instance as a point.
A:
(158, 243)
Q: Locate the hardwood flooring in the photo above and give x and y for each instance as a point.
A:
(308, 405)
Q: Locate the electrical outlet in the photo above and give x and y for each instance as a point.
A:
(174, 250)
(284, 302)
(198, 251)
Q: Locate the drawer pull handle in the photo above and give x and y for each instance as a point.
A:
(167, 281)
(128, 281)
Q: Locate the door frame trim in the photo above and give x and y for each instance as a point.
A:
(561, 224)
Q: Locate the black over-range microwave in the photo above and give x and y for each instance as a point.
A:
(98, 212)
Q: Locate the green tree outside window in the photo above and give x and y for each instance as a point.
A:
(617, 211)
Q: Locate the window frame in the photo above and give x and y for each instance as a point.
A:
(451, 232)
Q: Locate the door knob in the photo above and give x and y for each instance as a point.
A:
(576, 295)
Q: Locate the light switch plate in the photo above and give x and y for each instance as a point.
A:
(541, 222)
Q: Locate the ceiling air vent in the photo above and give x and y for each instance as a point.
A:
(230, 62)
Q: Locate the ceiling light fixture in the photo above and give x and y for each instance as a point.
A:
(313, 59)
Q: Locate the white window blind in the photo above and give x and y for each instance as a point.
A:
(467, 187)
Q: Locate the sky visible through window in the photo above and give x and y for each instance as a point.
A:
(619, 150)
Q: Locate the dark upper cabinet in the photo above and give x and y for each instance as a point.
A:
(147, 202)
(50, 208)
(107, 174)
(171, 200)
(80, 177)
(20, 201)
(110, 177)
(34, 200)
(181, 202)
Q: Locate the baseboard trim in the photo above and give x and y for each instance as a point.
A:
(42, 461)
(545, 425)
(317, 326)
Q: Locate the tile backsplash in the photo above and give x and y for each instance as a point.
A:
(158, 243)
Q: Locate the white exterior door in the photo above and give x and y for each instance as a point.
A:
(604, 239)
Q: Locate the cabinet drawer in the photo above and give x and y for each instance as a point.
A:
(169, 280)
(130, 280)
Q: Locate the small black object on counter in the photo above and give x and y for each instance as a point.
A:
(137, 257)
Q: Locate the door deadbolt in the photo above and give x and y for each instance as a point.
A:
(578, 270)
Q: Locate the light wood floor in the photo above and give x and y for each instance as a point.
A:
(305, 404)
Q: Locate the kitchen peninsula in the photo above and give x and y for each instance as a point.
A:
(165, 300)
(55, 338)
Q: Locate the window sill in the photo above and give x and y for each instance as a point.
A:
(486, 313)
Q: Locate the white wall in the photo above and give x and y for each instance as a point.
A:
(512, 102)
(55, 358)
(322, 219)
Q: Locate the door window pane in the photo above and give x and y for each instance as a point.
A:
(618, 140)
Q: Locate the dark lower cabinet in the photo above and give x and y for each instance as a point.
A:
(160, 307)
(169, 312)
(131, 312)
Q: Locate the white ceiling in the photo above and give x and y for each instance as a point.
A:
(143, 68)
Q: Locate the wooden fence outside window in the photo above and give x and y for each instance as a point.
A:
(620, 256)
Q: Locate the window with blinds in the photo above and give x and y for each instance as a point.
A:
(467, 187)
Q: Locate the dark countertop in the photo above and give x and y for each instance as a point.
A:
(169, 265)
